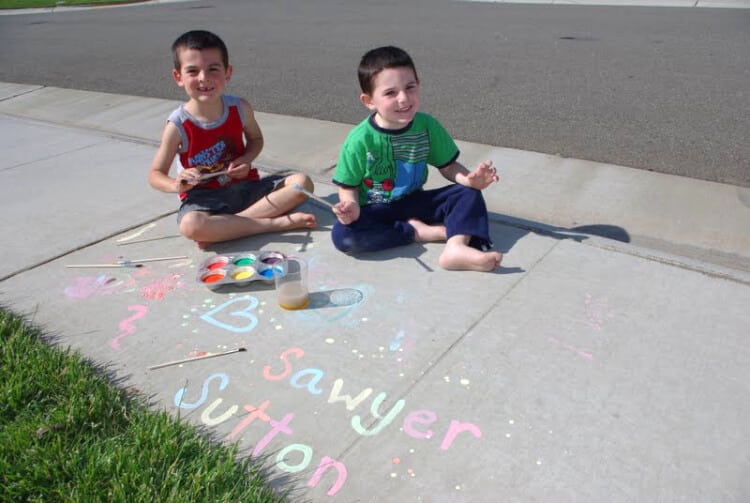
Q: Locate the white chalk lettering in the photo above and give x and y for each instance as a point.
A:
(374, 409)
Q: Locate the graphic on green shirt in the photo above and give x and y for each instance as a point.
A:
(410, 152)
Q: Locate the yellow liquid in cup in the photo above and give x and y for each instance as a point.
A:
(293, 295)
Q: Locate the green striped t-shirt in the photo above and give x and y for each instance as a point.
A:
(389, 164)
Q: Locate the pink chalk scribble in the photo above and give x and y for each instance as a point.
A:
(90, 286)
(580, 352)
(594, 315)
(159, 289)
(584, 354)
(126, 326)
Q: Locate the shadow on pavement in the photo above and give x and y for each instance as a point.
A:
(506, 231)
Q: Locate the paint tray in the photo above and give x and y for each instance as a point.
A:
(239, 269)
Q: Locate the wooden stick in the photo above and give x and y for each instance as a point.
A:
(212, 175)
(310, 194)
(195, 358)
(128, 263)
(207, 176)
(123, 243)
(141, 260)
(122, 264)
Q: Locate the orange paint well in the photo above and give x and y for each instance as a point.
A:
(213, 278)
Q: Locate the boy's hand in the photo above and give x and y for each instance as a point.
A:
(346, 211)
(187, 179)
(238, 168)
(483, 176)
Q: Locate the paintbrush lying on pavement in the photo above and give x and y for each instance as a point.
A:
(128, 263)
(196, 358)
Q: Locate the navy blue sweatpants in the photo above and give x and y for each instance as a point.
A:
(381, 226)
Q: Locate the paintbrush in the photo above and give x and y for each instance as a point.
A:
(207, 176)
(125, 243)
(196, 358)
(155, 259)
(212, 175)
(298, 187)
(119, 264)
(128, 263)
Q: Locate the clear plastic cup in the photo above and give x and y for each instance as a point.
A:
(290, 276)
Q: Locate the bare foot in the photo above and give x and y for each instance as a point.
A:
(424, 233)
(202, 245)
(459, 256)
(301, 220)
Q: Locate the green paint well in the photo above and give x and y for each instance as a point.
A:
(244, 261)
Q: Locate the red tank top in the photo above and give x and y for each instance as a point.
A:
(211, 147)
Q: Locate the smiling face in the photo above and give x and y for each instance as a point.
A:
(202, 74)
(394, 98)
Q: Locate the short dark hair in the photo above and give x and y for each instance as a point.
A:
(376, 60)
(199, 39)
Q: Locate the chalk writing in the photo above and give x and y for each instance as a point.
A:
(418, 424)
(178, 397)
(126, 326)
(396, 342)
(243, 318)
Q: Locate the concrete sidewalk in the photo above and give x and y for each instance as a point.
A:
(606, 361)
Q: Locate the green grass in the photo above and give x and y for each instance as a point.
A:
(67, 434)
(38, 4)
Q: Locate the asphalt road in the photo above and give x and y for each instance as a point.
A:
(664, 89)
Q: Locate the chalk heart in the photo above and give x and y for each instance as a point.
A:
(234, 315)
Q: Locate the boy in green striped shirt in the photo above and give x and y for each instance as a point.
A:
(383, 166)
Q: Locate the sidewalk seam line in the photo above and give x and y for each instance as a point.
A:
(24, 93)
(83, 247)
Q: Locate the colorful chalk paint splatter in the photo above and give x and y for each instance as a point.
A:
(160, 288)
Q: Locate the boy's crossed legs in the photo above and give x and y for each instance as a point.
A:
(411, 219)
(204, 219)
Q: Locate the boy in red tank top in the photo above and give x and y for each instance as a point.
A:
(216, 138)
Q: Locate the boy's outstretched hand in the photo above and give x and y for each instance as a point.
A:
(483, 176)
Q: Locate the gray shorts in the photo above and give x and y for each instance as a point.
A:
(231, 199)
